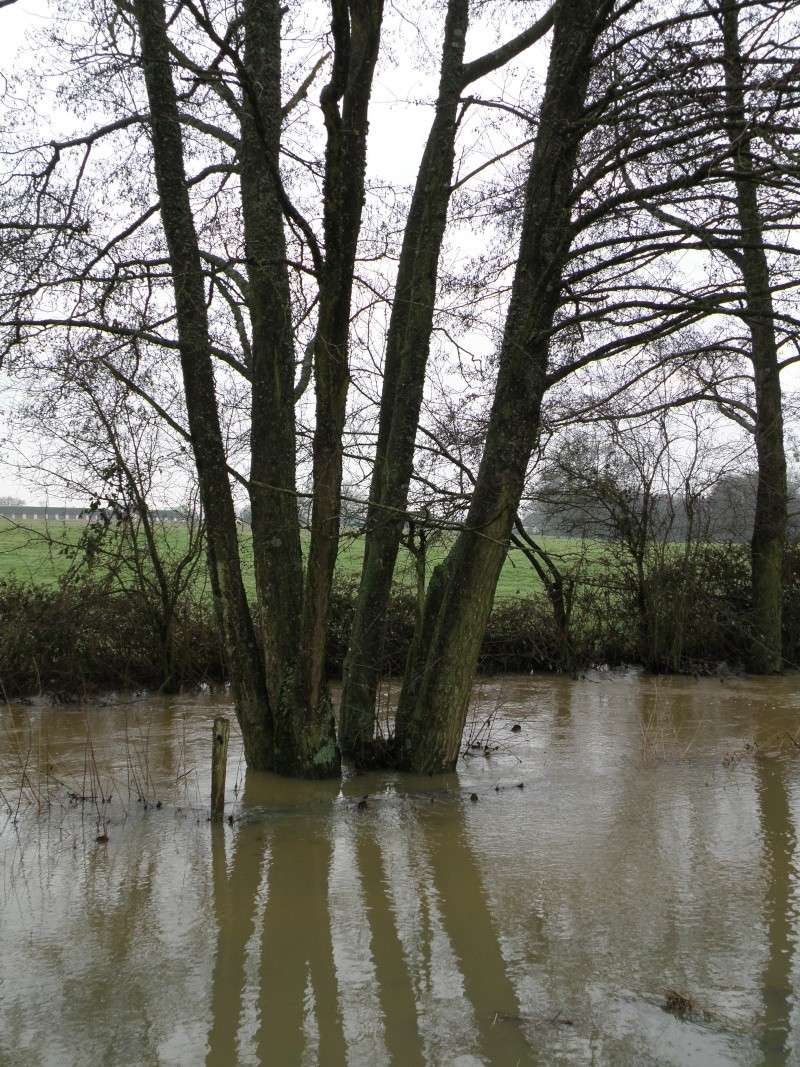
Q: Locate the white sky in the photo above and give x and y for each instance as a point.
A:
(14, 23)
(400, 117)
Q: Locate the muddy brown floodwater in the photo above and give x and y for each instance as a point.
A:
(632, 849)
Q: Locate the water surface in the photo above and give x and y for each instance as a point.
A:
(635, 840)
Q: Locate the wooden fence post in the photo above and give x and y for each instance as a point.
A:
(219, 761)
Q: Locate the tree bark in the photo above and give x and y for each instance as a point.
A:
(304, 738)
(242, 655)
(441, 665)
(407, 348)
(356, 27)
(769, 527)
(275, 522)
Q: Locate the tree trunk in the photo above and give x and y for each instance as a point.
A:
(558, 592)
(769, 527)
(441, 666)
(275, 523)
(420, 564)
(242, 655)
(407, 348)
(304, 740)
(165, 625)
(306, 732)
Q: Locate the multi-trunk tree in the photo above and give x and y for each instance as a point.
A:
(283, 700)
(258, 266)
(216, 113)
(436, 687)
(404, 371)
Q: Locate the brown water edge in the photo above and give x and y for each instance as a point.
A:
(652, 849)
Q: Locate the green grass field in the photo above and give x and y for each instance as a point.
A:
(38, 553)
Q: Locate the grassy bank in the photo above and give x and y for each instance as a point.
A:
(69, 638)
(40, 553)
(68, 633)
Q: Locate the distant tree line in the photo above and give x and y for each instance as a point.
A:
(572, 504)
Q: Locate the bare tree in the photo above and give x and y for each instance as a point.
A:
(641, 489)
(436, 688)
(144, 538)
(241, 284)
(405, 366)
(254, 268)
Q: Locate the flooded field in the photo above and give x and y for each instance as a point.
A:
(615, 882)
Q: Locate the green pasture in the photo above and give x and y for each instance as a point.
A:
(38, 552)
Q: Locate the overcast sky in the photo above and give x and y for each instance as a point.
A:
(397, 132)
(400, 114)
(14, 21)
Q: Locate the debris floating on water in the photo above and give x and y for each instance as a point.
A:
(677, 1003)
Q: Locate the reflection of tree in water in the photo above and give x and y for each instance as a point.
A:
(780, 910)
(393, 978)
(295, 945)
(104, 976)
(466, 920)
(295, 940)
